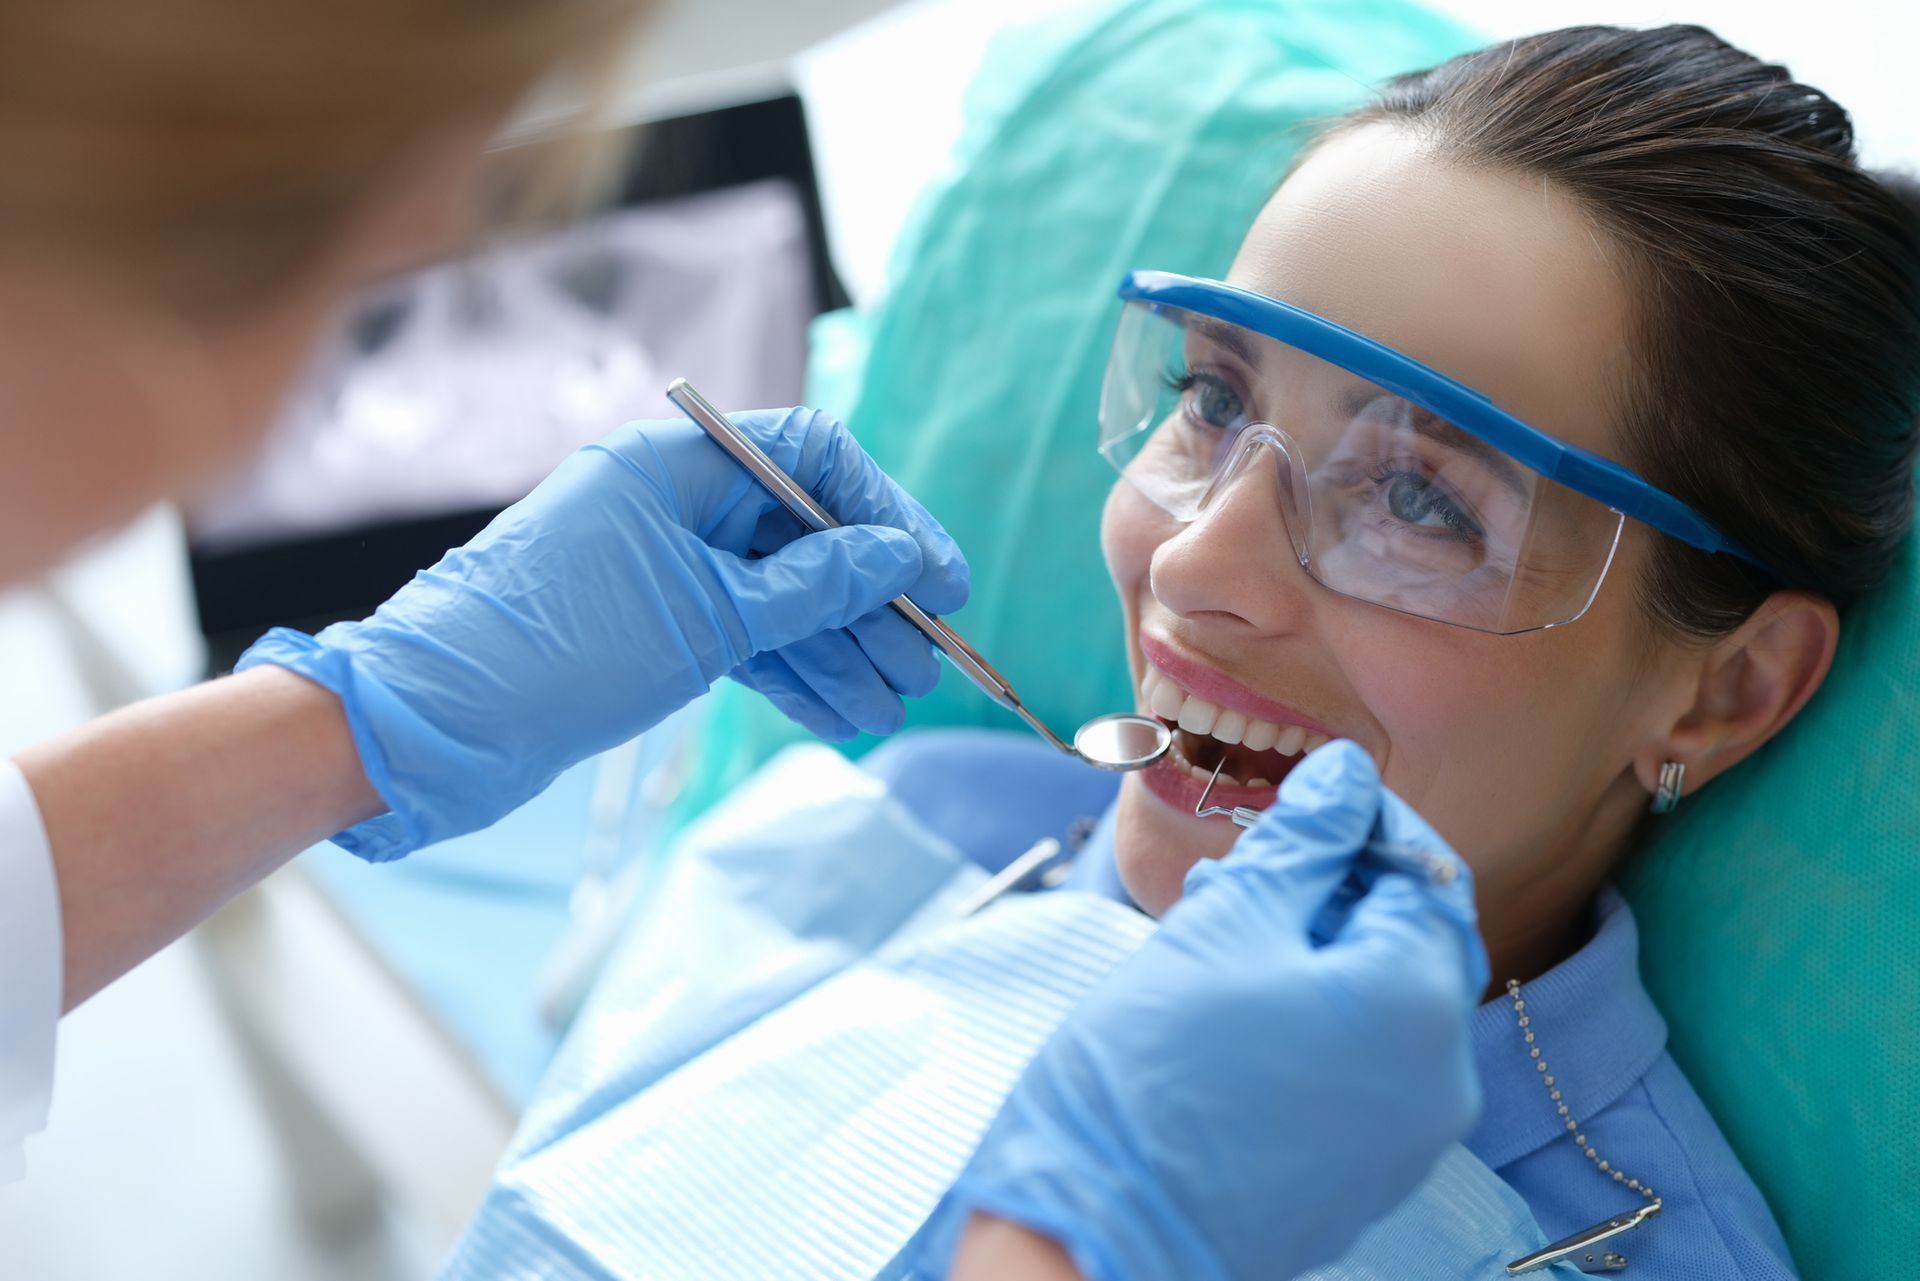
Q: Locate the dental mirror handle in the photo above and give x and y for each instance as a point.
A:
(816, 518)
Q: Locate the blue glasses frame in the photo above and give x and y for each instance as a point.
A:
(1600, 479)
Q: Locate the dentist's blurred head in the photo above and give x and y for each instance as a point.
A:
(189, 189)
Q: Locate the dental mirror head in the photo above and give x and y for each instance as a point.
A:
(1122, 741)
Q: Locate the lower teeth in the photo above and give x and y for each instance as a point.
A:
(1180, 758)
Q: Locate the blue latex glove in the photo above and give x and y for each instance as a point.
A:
(646, 567)
(1233, 1101)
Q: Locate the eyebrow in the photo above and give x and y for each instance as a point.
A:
(1442, 432)
(1437, 429)
(1222, 334)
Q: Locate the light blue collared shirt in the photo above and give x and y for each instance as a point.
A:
(1606, 1045)
(1591, 1017)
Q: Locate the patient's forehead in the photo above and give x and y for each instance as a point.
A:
(1496, 279)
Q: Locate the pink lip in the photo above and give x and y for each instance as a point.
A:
(1198, 679)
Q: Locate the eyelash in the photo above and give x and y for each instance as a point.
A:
(1181, 384)
(1459, 527)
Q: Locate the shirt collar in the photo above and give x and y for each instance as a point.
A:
(1593, 1023)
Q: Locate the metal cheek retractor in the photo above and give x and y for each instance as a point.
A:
(1424, 864)
(1118, 741)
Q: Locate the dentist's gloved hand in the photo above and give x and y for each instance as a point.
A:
(646, 567)
(1235, 1101)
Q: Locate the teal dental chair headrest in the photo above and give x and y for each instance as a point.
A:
(1779, 916)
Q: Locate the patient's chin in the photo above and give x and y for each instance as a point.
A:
(1155, 848)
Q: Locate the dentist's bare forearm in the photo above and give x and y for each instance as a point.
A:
(161, 812)
(998, 1250)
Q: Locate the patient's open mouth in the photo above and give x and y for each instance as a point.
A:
(1199, 753)
(1252, 753)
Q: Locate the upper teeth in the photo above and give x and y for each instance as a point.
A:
(1197, 716)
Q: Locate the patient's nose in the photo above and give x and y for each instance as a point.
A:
(1236, 562)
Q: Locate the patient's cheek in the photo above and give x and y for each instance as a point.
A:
(1131, 528)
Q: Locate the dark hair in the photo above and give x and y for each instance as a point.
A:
(1777, 342)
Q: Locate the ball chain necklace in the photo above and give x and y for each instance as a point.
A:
(1585, 1249)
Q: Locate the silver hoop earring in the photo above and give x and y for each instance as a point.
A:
(1673, 776)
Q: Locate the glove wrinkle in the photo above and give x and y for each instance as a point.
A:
(646, 567)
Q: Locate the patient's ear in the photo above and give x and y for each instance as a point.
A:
(1750, 684)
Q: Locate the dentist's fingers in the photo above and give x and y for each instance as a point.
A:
(769, 676)
(1306, 842)
(901, 654)
(817, 583)
(845, 679)
(822, 455)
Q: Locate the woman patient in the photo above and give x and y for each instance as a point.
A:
(1645, 244)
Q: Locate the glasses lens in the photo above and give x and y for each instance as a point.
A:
(1151, 424)
(1384, 500)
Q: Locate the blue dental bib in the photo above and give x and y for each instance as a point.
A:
(800, 1042)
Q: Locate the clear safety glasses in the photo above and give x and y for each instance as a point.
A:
(1397, 485)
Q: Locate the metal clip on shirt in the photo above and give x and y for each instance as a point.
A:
(1583, 1248)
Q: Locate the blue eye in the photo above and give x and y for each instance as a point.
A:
(1209, 399)
(1412, 498)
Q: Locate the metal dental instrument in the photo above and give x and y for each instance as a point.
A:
(1421, 863)
(1119, 741)
(1045, 851)
(1122, 741)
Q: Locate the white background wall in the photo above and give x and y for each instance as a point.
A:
(884, 97)
(1863, 53)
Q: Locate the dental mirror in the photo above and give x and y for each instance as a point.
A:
(1122, 741)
